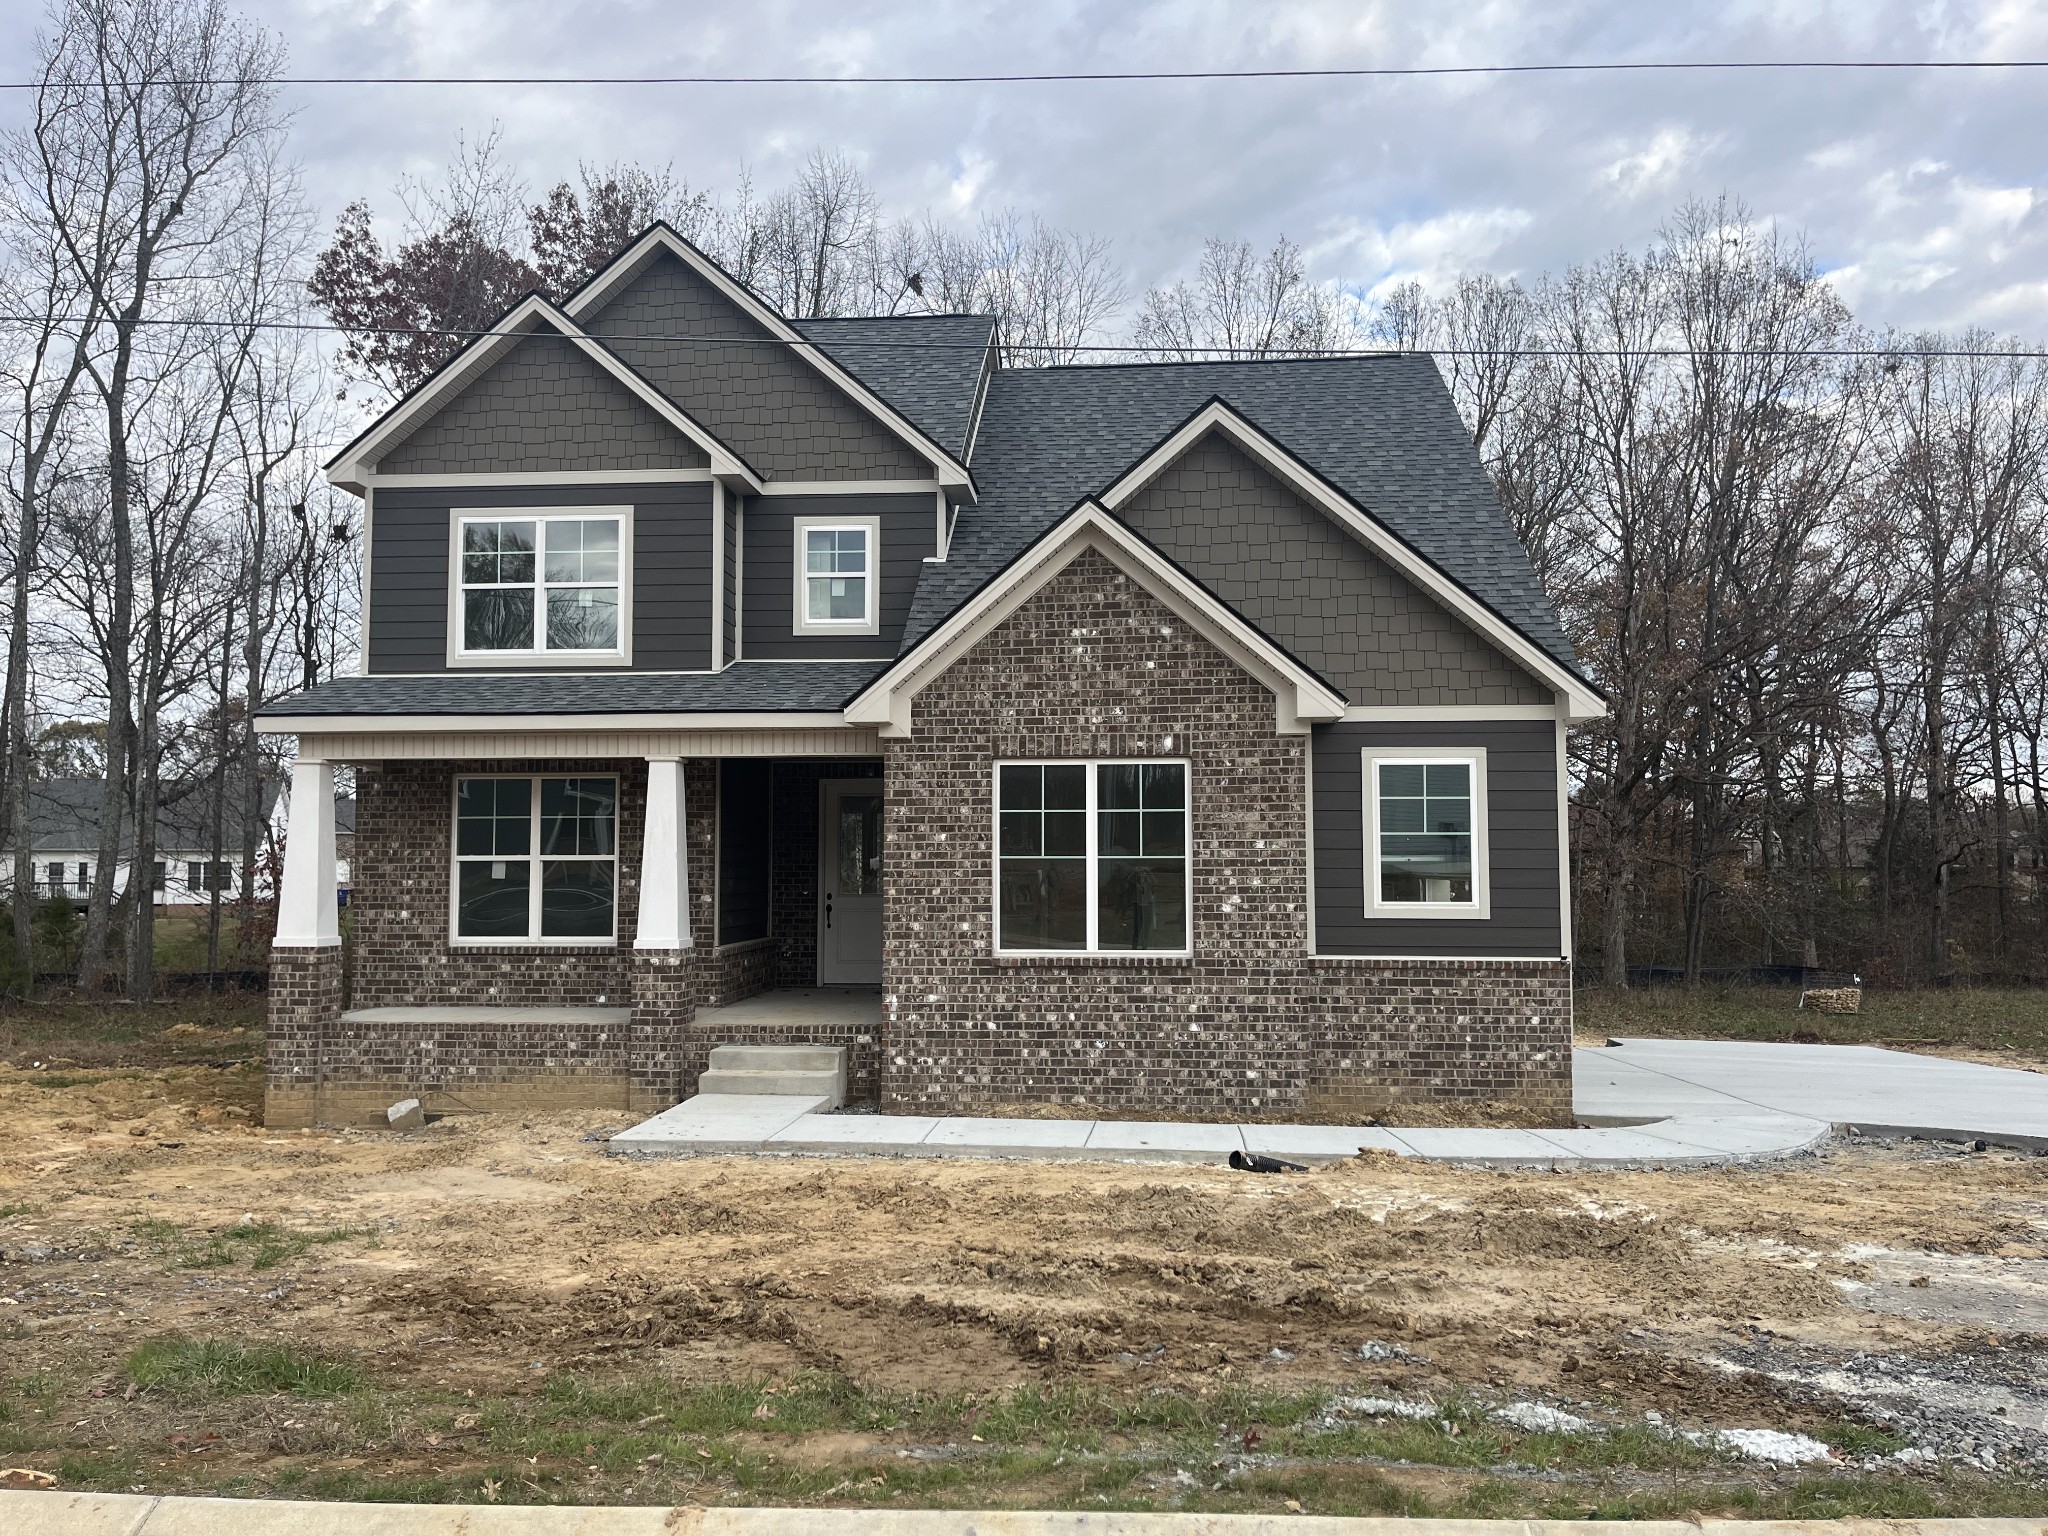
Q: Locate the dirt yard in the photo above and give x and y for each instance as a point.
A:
(494, 1309)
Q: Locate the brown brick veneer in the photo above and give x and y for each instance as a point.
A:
(1094, 667)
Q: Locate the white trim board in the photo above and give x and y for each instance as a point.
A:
(603, 287)
(851, 488)
(356, 725)
(1584, 703)
(352, 468)
(1300, 697)
(549, 479)
(1446, 714)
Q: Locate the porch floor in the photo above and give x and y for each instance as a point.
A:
(799, 1008)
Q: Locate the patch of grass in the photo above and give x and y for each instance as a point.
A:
(106, 1032)
(21, 1208)
(1982, 1018)
(201, 1369)
(261, 1244)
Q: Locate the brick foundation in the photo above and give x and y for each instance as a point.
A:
(1093, 667)
(304, 1012)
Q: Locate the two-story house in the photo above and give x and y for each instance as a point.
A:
(1181, 735)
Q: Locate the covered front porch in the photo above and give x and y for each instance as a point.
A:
(573, 929)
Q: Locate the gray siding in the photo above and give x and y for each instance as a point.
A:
(1522, 833)
(543, 406)
(1308, 583)
(671, 571)
(773, 409)
(908, 531)
(735, 511)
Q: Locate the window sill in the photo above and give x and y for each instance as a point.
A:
(1426, 914)
(531, 946)
(1128, 959)
(540, 659)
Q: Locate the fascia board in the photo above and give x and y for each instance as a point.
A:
(427, 725)
(1217, 415)
(1300, 696)
(950, 472)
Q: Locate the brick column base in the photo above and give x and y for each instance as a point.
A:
(305, 1011)
(666, 988)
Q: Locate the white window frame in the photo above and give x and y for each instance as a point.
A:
(800, 621)
(1090, 858)
(539, 656)
(534, 857)
(1474, 758)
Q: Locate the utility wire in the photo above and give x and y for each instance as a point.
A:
(1113, 76)
(1224, 354)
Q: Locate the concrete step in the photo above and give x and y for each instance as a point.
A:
(778, 1058)
(720, 1080)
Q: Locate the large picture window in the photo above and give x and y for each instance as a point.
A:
(536, 585)
(536, 860)
(1092, 856)
(1426, 839)
(835, 575)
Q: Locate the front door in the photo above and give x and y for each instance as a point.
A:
(850, 882)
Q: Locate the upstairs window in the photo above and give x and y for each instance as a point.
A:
(536, 585)
(536, 860)
(1426, 840)
(835, 575)
(1092, 857)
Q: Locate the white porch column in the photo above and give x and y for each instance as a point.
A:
(306, 916)
(664, 861)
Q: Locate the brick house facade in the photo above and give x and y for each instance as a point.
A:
(1292, 707)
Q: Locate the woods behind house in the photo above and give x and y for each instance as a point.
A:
(1807, 564)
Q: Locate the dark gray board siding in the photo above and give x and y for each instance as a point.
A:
(1522, 832)
(909, 529)
(671, 571)
(735, 512)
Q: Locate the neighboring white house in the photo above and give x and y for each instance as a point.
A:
(64, 839)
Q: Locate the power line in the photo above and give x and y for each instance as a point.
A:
(1115, 76)
(1165, 353)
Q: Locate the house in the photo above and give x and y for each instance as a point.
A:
(64, 843)
(1177, 735)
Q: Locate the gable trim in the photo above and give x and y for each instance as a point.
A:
(1300, 697)
(354, 468)
(605, 285)
(1582, 701)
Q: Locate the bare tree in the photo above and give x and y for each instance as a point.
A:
(1243, 305)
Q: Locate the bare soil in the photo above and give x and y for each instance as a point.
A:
(483, 1258)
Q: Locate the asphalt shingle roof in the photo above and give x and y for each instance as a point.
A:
(748, 687)
(64, 816)
(927, 366)
(1381, 429)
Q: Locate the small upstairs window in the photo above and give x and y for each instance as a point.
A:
(541, 586)
(835, 575)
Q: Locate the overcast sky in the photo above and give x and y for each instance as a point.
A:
(1922, 193)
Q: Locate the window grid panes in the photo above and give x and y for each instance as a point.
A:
(541, 584)
(1425, 819)
(1092, 856)
(536, 859)
(837, 574)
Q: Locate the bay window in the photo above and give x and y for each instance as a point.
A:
(1426, 834)
(1092, 857)
(536, 585)
(536, 859)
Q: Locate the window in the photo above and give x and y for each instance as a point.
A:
(835, 575)
(537, 585)
(1426, 838)
(1092, 856)
(536, 859)
(56, 874)
(160, 877)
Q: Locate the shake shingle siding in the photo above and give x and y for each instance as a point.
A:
(545, 406)
(773, 409)
(671, 584)
(1308, 583)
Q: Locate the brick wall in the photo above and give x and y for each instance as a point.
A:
(304, 1007)
(1093, 667)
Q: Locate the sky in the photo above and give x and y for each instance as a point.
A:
(1921, 193)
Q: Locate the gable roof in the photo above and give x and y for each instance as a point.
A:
(64, 816)
(948, 467)
(930, 367)
(1382, 430)
(349, 467)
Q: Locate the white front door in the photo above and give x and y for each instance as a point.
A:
(850, 882)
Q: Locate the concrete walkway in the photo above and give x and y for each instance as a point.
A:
(1649, 1103)
(123, 1514)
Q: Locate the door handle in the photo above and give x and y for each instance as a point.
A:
(828, 909)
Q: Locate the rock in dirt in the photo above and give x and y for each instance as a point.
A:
(406, 1115)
